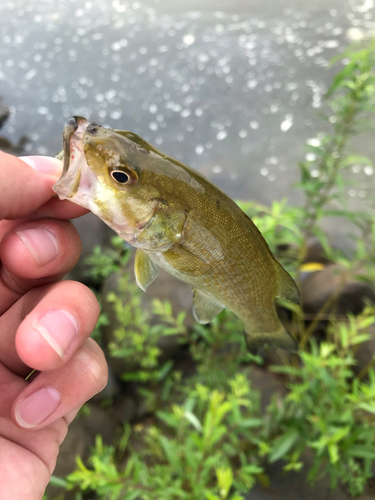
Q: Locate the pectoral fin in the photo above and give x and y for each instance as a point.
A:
(144, 269)
(204, 307)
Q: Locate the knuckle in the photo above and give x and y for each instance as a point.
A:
(94, 366)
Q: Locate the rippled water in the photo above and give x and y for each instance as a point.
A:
(234, 94)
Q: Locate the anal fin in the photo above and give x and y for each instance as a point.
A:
(144, 269)
(204, 307)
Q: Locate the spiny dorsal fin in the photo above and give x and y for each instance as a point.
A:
(144, 269)
(204, 307)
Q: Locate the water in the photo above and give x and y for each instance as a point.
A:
(233, 91)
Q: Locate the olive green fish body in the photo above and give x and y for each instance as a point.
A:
(179, 221)
(230, 262)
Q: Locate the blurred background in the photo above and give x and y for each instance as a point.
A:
(233, 89)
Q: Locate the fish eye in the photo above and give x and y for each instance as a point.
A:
(123, 175)
(120, 176)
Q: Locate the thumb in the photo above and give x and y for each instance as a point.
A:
(26, 183)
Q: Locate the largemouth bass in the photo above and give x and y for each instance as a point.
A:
(178, 221)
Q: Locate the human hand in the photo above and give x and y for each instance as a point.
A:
(45, 325)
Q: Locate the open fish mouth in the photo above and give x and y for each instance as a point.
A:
(74, 159)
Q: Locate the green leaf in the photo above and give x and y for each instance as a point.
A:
(58, 482)
(283, 444)
(360, 452)
(211, 496)
(164, 370)
(193, 420)
(333, 452)
(250, 422)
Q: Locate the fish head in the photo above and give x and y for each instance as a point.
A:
(106, 172)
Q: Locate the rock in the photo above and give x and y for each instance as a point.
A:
(318, 287)
(315, 252)
(365, 351)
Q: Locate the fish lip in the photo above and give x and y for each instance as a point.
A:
(67, 186)
(73, 133)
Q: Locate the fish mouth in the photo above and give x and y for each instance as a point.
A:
(74, 158)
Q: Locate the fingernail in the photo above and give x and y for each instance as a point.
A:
(34, 409)
(58, 328)
(44, 164)
(41, 243)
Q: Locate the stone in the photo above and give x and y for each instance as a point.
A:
(318, 287)
(365, 351)
(315, 252)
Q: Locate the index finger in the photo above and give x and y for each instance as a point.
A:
(26, 186)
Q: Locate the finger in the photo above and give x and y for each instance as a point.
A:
(44, 328)
(36, 253)
(43, 443)
(26, 188)
(59, 209)
(54, 394)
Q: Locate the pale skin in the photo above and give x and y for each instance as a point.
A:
(45, 325)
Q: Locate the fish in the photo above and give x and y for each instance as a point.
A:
(179, 221)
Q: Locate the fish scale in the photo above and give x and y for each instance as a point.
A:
(180, 221)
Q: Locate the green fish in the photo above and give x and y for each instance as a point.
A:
(178, 221)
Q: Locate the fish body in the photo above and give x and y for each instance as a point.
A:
(181, 222)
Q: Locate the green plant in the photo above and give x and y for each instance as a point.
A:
(214, 412)
(328, 409)
(102, 263)
(135, 339)
(201, 449)
(226, 440)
